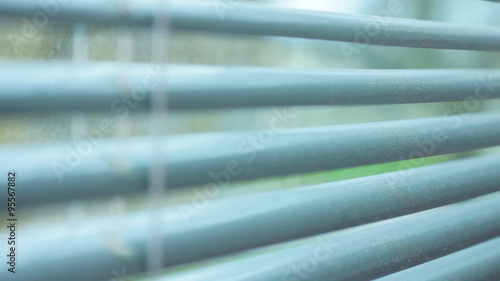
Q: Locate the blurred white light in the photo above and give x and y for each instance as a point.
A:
(343, 6)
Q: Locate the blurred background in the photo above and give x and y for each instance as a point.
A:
(104, 43)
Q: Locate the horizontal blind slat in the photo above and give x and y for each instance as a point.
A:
(88, 165)
(50, 87)
(266, 20)
(480, 262)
